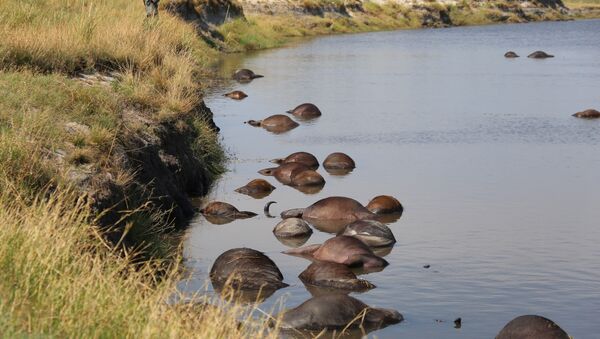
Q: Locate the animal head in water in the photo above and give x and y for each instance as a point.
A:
(371, 232)
(304, 158)
(306, 111)
(245, 75)
(237, 95)
(254, 123)
(385, 204)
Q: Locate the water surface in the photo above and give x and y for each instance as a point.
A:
(500, 184)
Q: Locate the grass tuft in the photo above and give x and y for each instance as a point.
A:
(60, 279)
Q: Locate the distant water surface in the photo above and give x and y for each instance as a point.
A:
(501, 186)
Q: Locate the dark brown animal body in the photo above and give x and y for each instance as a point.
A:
(588, 114)
(338, 161)
(510, 54)
(236, 95)
(306, 177)
(277, 123)
(333, 208)
(245, 75)
(306, 111)
(540, 55)
(283, 173)
(336, 311)
(257, 188)
(304, 158)
(385, 204)
(342, 250)
(532, 327)
(333, 275)
(223, 209)
(245, 268)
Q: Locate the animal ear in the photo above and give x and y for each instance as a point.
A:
(266, 171)
(306, 250)
(354, 260)
(373, 261)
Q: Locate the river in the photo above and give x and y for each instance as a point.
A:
(500, 184)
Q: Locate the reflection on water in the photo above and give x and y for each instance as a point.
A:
(498, 181)
(310, 190)
(294, 242)
(339, 172)
(241, 296)
(328, 226)
(218, 219)
(382, 251)
(352, 333)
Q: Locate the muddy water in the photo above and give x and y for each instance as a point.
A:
(500, 184)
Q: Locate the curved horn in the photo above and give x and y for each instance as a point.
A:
(266, 209)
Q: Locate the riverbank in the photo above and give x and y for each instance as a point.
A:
(102, 116)
(269, 24)
(584, 9)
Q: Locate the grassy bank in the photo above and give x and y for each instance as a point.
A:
(59, 279)
(59, 134)
(260, 31)
(584, 9)
(582, 3)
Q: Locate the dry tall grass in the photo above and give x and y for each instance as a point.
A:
(71, 35)
(58, 279)
(161, 59)
(584, 9)
(261, 31)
